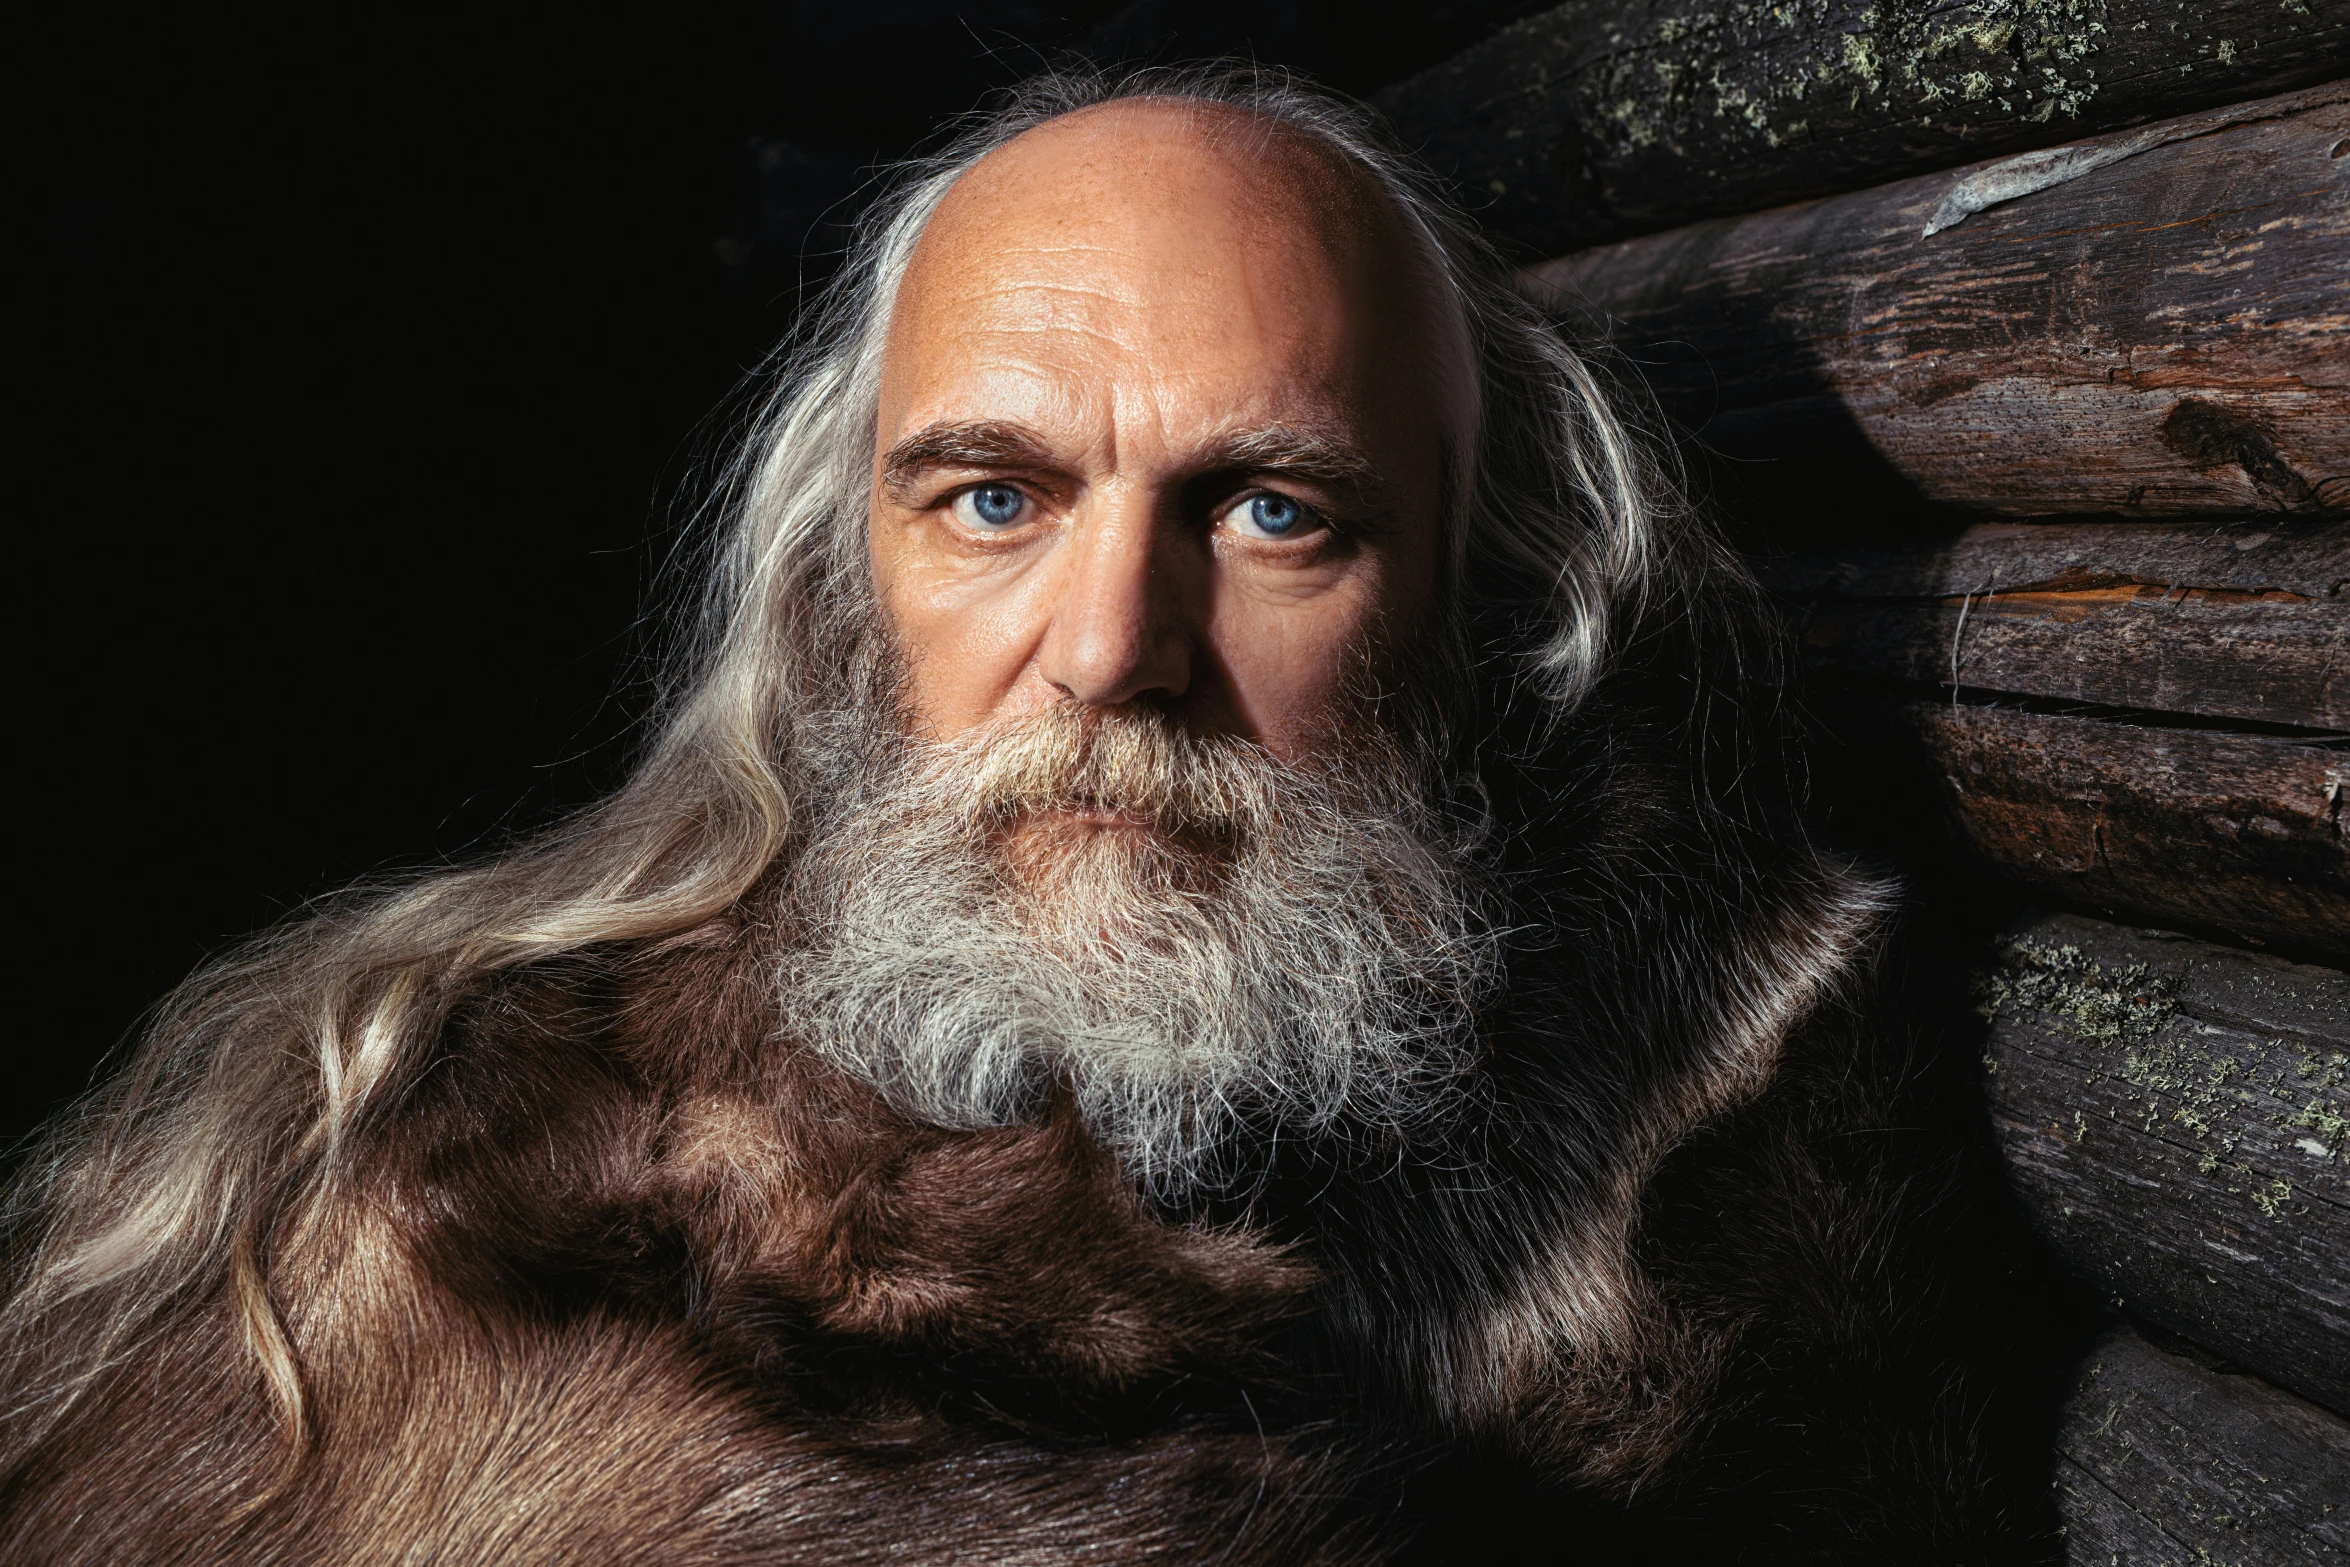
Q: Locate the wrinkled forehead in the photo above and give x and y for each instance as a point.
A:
(1197, 240)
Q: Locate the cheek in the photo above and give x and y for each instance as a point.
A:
(965, 637)
(1287, 658)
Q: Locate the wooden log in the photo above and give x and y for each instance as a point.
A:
(2249, 621)
(2176, 1121)
(2163, 1460)
(2155, 327)
(2310, 560)
(2239, 834)
(1605, 118)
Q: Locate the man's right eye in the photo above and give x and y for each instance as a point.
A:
(990, 508)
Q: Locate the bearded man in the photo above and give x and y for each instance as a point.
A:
(1210, 960)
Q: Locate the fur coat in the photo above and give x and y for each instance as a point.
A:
(619, 1275)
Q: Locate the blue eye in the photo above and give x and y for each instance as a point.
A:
(992, 506)
(1272, 515)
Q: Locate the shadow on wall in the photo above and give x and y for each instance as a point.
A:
(1785, 469)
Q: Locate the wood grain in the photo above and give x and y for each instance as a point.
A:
(2164, 335)
(2241, 835)
(2308, 559)
(2246, 622)
(2175, 1118)
(1604, 118)
(2165, 1462)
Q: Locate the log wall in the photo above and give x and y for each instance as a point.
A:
(2234, 834)
(2149, 720)
(1601, 118)
(2177, 1119)
(2152, 326)
(2247, 621)
(2162, 1459)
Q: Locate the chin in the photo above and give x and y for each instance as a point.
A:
(1101, 849)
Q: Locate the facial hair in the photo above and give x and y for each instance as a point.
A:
(1205, 948)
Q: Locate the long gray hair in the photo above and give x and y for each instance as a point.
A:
(231, 1124)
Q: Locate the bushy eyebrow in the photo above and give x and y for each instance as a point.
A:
(980, 443)
(1316, 456)
(1302, 452)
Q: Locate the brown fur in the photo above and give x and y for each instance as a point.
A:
(617, 1273)
(622, 1282)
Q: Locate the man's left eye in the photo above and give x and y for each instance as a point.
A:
(990, 508)
(1270, 516)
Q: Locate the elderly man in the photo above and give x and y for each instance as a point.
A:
(1209, 960)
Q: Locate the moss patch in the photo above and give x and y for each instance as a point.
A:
(2170, 1073)
(1764, 69)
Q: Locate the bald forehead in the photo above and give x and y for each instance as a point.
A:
(1184, 237)
(1124, 165)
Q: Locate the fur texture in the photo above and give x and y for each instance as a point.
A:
(621, 1280)
(620, 1272)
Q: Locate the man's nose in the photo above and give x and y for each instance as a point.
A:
(1121, 625)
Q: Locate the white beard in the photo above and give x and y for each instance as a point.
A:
(1277, 952)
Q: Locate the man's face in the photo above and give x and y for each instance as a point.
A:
(1156, 499)
(1162, 424)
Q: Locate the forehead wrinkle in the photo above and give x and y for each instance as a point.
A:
(1115, 205)
(993, 284)
(1052, 328)
(1059, 333)
(1192, 408)
(1184, 244)
(1134, 282)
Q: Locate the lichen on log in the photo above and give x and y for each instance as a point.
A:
(2176, 1119)
(1599, 119)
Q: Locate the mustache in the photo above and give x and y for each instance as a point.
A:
(1135, 762)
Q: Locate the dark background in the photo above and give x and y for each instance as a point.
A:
(367, 366)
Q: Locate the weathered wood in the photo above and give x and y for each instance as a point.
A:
(2308, 559)
(2175, 1119)
(1605, 118)
(2243, 835)
(2196, 652)
(2163, 333)
(2164, 1462)
(2248, 621)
